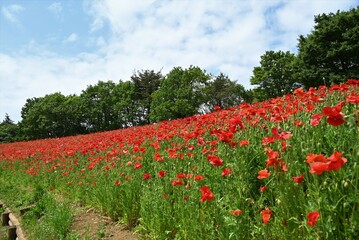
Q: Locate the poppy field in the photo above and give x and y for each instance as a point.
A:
(285, 168)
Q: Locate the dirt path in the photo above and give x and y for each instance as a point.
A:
(90, 225)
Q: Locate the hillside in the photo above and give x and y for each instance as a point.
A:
(276, 169)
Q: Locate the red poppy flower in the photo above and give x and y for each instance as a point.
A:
(215, 160)
(298, 179)
(137, 165)
(298, 123)
(226, 172)
(315, 158)
(181, 175)
(263, 174)
(146, 176)
(299, 92)
(318, 167)
(313, 218)
(336, 161)
(263, 188)
(266, 215)
(157, 157)
(353, 98)
(207, 195)
(316, 119)
(236, 212)
(198, 177)
(225, 136)
(177, 182)
(161, 173)
(267, 140)
(217, 108)
(335, 117)
(284, 166)
(243, 143)
(117, 182)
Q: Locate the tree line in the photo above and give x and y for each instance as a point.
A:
(148, 97)
(327, 55)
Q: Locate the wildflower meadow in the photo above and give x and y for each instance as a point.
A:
(285, 168)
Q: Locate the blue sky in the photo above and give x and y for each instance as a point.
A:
(63, 46)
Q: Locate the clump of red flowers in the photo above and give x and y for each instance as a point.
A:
(334, 114)
(319, 163)
(207, 194)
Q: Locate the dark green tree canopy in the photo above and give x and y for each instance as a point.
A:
(126, 107)
(97, 106)
(145, 83)
(223, 92)
(7, 120)
(180, 94)
(8, 130)
(329, 54)
(275, 75)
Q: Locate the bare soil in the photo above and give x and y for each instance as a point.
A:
(88, 224)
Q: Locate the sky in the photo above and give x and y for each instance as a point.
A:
(63, 46)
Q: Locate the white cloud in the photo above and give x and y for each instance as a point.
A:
(219, 36)
(24, 77)
(73, 37)
(55, 7)
(10, 12)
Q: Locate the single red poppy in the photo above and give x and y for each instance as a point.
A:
(313, 218)
(146, 176)
(298, 179)
(336, 161)
(263, 174)
(318, 167)
(161, 173)
(266, 215)
(226, 172)
(237, 212)
(263, 188)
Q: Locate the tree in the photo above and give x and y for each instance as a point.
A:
(275, 75)
(126, 106)
(54, 115)
(73, 117)
(42, 117)
(181, 93)
(223, 92)
(98, 107)
(329, 54)
(145, 83)
(8, 130)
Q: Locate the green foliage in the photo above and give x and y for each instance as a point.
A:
(48, 219)
(8, 130)
(97, 107)
(125, 106)
(329, 54)
(224, 93)
(275, 75)
(145, 83)
(54, 115)
(180, 94)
